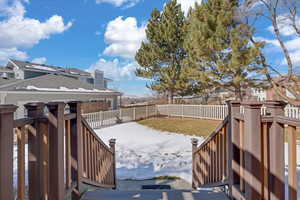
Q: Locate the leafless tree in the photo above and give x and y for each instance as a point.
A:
(280, 13)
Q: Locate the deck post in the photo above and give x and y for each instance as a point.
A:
(276, 149)
(235, 140)
(56, 150)
(38, 152)
(112, 145)
(76, 146)
(194, 148)
(253, 151)
(232, 140)
(6, 151)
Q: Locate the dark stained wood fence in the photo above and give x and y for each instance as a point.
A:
(95, 106)
(63, 153)
(254, 153)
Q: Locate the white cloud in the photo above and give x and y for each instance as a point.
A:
(124, 37)
(292, 42)
(18, 31)
(119, 3)
(115, 69)
(187, 4)
(14, 53)
(40, 60)
(284, 25)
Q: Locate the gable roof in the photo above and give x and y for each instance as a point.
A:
(50, 68)
(51, 83)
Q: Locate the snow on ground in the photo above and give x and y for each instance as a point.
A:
(144, 153)
(286, 169)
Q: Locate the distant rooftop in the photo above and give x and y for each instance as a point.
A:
(51, 68)
(51, 83)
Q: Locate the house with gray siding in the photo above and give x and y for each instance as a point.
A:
(23, 82)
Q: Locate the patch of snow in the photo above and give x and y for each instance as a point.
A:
(15, 169)
(286, 169)
(41, 67)
(64, 89)
(144, 153)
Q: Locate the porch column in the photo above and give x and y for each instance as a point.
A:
(56, 150)
(253, 151)
(6, 150)
(276, 149)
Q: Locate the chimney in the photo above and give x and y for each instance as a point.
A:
(99, 79)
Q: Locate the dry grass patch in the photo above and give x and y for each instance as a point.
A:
(188, 126)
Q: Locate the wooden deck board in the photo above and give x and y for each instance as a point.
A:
(154, 195)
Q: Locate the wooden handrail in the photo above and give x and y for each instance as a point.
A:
(92, 132)
(52, 138)
(209, 159)
(213, 134)
(254, 157)
(98, 159)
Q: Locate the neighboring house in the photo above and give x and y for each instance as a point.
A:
(23, 82)
(270, 93)
(259, 93)
(25, 70)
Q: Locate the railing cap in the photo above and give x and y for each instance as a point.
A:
(194, 141)
(54, 103)
(34, 105)
(274, 104)
(233, 102)
(112, 142)
(75, 101)
(8, 108)
(252, 104)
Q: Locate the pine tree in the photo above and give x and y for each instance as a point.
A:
(219, 48)
(160, 57)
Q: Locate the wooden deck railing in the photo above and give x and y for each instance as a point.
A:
(98, 159)
(63, 153)
(256, 153)
(210, 158)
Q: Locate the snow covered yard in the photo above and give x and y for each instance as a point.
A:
(144, 153)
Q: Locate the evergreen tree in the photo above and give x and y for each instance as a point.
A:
(160, 57)
(220, 50)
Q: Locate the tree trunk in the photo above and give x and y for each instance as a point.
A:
(238, 94)
(170, 97)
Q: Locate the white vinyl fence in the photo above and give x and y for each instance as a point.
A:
(212, 112)
(108, 118)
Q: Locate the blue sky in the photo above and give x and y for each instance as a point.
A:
(94, 34)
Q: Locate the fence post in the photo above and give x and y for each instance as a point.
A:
(56, 150)
(276, 149)
(194, 147)
(182, 111)
(76, 145)
(101, 117)
(112, 144)
(253, 151)
(133, 113)
(6, 151)
(38, 162)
